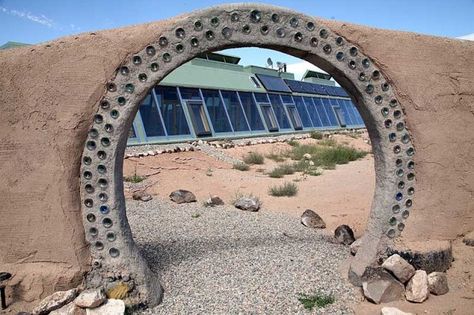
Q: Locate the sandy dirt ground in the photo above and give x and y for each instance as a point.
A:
(340, 196)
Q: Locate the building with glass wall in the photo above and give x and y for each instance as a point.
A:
(213, 97)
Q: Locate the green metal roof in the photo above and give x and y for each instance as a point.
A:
(8, 45)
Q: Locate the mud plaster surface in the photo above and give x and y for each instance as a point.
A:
(50, 93)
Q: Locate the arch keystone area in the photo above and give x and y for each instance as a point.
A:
(68, 131)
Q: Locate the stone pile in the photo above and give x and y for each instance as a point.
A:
(74, 302)
(397, 279)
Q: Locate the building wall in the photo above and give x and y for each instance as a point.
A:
(50, 93)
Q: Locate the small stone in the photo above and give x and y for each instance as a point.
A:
(393, 311)
(90, 298)
(417, 288)
(152, 153)
(311, 219)
(111, 307)
(344, 234)
(307, 156)
(55, 301)
(400, 268)
(69, 309)
(438, 283)
(311, 163)
(214, 201)
(382, 287)
(141, 195)
(355, 246)
(248, 203)
(182, 196)
(469, 239)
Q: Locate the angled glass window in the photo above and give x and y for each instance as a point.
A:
(172, 111)
(279, 111)
(189, 94)
(300, 106)
(330, 112)
(261, 97)
(199, 118)
(287, 99)
(348, 114)
(269, 117)
(216, 111)
(294, 117)
(358, 117)
(251, 111)
(235, 111)
(151, 117)
(318, 114)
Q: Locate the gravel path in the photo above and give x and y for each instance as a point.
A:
(226, 261)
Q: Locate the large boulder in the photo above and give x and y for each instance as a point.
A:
(469, 239)
(55, 301)
(417, 288)
(382, 287)
(90, 298)
(182, 196)
(393, 311)
(311, 219)
(344, 235)
(438, 283)
(399, 267)
(249, 203)
(111, 307)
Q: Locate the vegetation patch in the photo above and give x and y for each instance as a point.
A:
(241, 166)
(254, 158)
(134, 178)
(277, 157)
(286, 190)
(293, 143)
(318, 299)
(282, 170)
(316, 135)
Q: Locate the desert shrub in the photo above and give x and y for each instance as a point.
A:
(282, 170)
(241, 166)
(293, 143)
(318, 299)
(285, 190)
(324, 156)
(316, 135)
(134, 178)
(328, 142)
(254, 158)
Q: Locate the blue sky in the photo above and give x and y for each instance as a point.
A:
(38, 21)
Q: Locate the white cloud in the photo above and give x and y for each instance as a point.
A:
(467, 37)
(40, 19)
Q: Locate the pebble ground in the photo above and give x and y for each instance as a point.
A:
(223, 260)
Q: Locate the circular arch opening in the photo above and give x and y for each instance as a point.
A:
(218, 28)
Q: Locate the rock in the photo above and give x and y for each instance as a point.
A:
(214, 201)
(399, 267)
(111, 307)
(311, 163)
(141, 195)
(417, 288)
(355, 246)
(69, 309)
(307, 156)
(311, 219)
(182, 196)
(393, 311)
(90, 298)
(151, 153)
(382, 287)
(344, 234)
(249, 203)
(432, 255)
(469, 239)
(55, 301)
(438, 283)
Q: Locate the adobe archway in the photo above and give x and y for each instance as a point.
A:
(114, 253)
